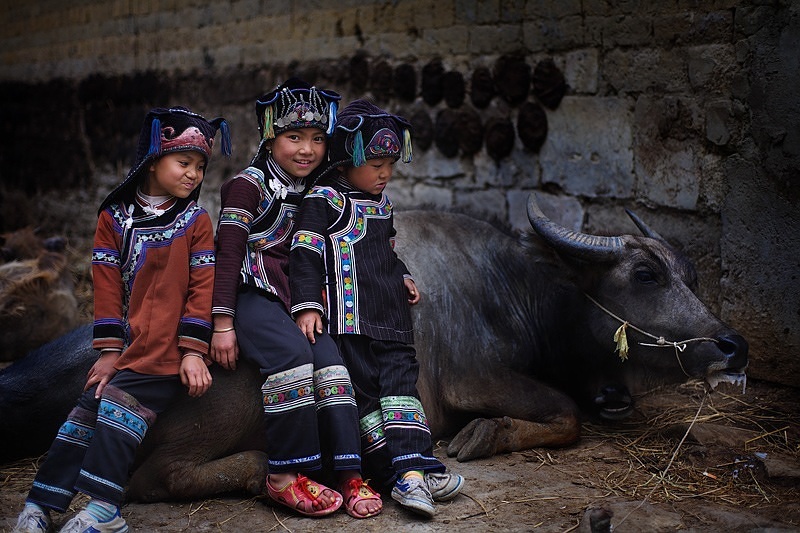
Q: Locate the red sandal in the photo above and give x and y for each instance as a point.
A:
(356, 490)
(301, 494)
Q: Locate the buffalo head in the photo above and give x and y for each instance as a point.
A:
(642, 293)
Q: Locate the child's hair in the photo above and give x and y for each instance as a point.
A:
(167, 130)
(364, 131)
(292, 105)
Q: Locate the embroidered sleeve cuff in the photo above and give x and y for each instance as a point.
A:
(222, 311)
(307, 306)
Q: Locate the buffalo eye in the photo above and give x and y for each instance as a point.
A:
(645, 277)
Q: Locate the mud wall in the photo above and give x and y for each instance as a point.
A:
(685, 111)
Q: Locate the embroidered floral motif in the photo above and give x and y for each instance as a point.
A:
(105, 256)
(348, 321)
(310, 240)
(202, 259)
(372, 433)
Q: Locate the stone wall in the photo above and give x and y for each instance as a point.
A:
(685, 111)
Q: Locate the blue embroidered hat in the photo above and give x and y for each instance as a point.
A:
(167, 130)
(363, 131)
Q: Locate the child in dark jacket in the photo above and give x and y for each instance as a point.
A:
(344, 273)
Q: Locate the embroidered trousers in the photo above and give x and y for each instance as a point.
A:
(95, 448)
(395, 437)
(309, 405)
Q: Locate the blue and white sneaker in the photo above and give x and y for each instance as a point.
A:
(444, 487)
(32, 519)
(413, 494)
(83, 522)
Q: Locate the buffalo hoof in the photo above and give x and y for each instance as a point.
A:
(614, 402)
(476, 440)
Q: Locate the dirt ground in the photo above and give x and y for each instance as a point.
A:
(737, 469)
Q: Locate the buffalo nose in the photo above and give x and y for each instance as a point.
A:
(734, 348)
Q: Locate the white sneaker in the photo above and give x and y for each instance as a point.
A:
(32, 520)
(83, 522)
(415, 496)
(444, 487)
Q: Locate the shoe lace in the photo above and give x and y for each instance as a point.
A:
(436, 480)
(304, 483)
(354, 484)
(32, 520)
(80, 523)
(415, 484)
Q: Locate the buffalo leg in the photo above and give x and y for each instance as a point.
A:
(518, 413)
(240, 472)
(484, 437)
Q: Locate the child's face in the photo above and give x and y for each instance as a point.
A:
(372, 176)
(299, 152)
(176, 174)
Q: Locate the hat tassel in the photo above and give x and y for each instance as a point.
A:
(407, 150)
(226, 137)
(358, 150)
(269, 130)
(332, 109)
(155, 137)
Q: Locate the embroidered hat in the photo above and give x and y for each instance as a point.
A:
(167, 130)
(293, 105)
(364, 131)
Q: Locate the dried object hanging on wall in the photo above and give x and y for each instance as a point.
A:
(422, 127)
(481, 87)
(512, 78)
(381, 81)
(359, 73)
(453, 89)
(532, 125)
(446, 132)
(549, 84)
(499, 137)
(470, 131)
(432, 82)
(404, 82)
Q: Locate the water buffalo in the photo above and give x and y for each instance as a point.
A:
(513, 335)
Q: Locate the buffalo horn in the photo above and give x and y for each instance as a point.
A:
(644, 228)
(570, 242)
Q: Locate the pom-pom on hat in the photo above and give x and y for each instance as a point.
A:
(167, 130)
(364, 131)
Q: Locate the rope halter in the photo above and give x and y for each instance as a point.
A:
(621, 338)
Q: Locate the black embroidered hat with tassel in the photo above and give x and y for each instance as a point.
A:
(364, 131)
(167, 130)
(292, 105)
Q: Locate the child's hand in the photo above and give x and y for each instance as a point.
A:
(309, 322)
(225, 349)
(413, 293)
(101, 372)
(194, 374)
